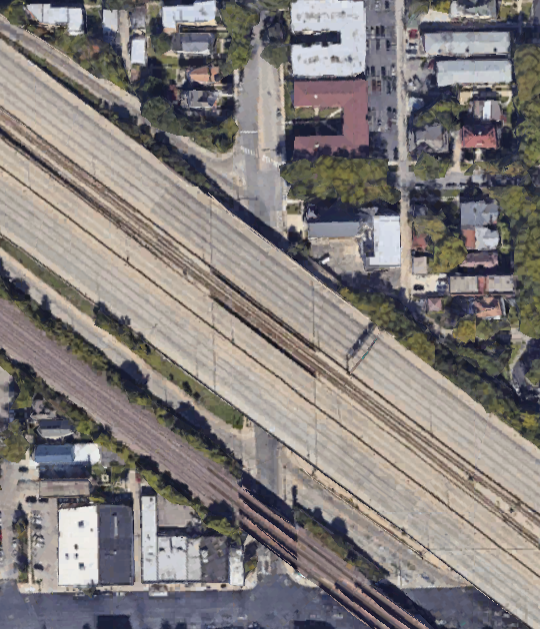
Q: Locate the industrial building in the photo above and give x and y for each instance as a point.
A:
(193, 14)
(70, 17)
(466, 43)
(115, 525)
(474, 72)
(344, 59)
(385, 243)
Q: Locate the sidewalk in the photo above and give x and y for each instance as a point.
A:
(119, 353)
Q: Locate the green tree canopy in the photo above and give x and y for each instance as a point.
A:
(276, 54)
(527, 71)
(424, 348)
(516, 203)
(529, 147)
(432, 226)
(444, 112)
(429, 167)
(15, 445)
(447, 255)
(486, 328)
(354, 181)
(533, 373)
(465, 331)
(239, 22)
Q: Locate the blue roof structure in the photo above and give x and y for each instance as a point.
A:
(53, 455)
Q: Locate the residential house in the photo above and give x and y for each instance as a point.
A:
(466, 43)
(53, 455)
(487, 110)
(352, 96)
(474, 10)
(137, 19)
(431, 139)
(201, 13)
(110, 20)
(72, 17)
(477, 72)
(420, 265)
(53, 429)
(483, 259)
(488, 308)
(138, 50)
(344, 58)
(199, 99)
(385, 243)
(434, 304)
(491, 285)
(192, 44)
(479, 137)
(478, 221)
(205, 75)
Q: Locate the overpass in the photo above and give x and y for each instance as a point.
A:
(212, 295)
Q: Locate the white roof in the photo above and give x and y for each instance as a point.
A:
(387, 241)
(78, 546)
(110, 20)
(473, 72)
(486, 239)
(236, 567)
(149, 538)
(197, 13)
(344, 59)
(138, 51)
(467, 43)
(172, 558)
(194, 563)
(72, 17)
(86, 452)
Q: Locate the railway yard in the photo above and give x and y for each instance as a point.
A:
(247, 321)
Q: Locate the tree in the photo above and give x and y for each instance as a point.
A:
(444, 112)
(433, 227)
(15, 445)
(448, 254)
(239, 22)
(465, 331)
(486, 328)
(272, 6)
(354, 181)
(529, 147)
(424, 348)
(161, 44)
(533, 373)
(516, 203)
(276, 54)
(428, 167)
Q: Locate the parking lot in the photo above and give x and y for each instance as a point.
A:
(43, 523)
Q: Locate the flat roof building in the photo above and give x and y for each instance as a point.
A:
(78, 546)
(203, 12)
(53, 455)
(386, 242)
(352, 96)
(70, 17)
(474, 72)
(344, 59)
(138, 50)
(63, 489)
(466, 43)
(86, 453)
(333, 229)
(55, 428)
(110, 25)
(149, 539)
(115, 545)
(193, 43)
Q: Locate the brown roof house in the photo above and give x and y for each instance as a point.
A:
(488, 308)
(485, 259)
(481, 137)
(205, 75)
(349, 94)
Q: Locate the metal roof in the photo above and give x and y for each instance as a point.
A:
(333, 229)
(473, 72)
(479, 213)
(55, 428)
(53, 455)
(115, 545)
(72, 17)
(463, 285)
(110, 21)
(193, 42)
(467, 43)
(138, 51)
(387, 241)
(149, 538)
(341, 60)
(486, 239)
(197, 13)
(481, 10)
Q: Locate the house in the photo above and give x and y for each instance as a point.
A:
(72, 17)
(484, 259)
(333, 229)
(432, 139)
(420, 265)
(199, 99)
(138, 50)
(53, 455)
(193, 43)
(465, 285)
(57, 428)
(110, 21)
(86, 453)
(352, 96)
(345, 57)
(198, 14)
(479, 137)
(478, 221)
(386, 243)
(434, 304)
(473, 72)
(475, 9)
(205, 75)
(486, 110)
(466, 43)
(487, 308)
(137, 18)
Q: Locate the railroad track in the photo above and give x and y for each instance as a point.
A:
(461, 472)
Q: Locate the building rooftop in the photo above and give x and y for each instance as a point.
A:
(386, 242)
(352, 96)
(486, 259)
(137, 18)
(487, 239)
(149, 539)
(72, 17)
(138, 51)
(474, 10)
(115, 545)
(63, 489)
(479, 213)
(488, 308)
(501, 284)
(487, 109)
(467, 43)
(420, 265)
(78, 546)
(344, 59)
(197, 13)
(110, 24)
(474, 72)
(333, 229)
(204, 75)
(53, 455)
(194, 43)
(55, 428)
(464, 285)
(86, 453)
(480, 137)
(434, 137)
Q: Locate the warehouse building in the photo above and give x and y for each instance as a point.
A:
(474, 72)
(467, 43)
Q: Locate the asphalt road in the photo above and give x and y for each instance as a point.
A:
(275, 603)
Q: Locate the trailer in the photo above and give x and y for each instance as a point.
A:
(362, 347)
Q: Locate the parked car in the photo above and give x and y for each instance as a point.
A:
(23, 469)
(43, 500)
(31, 499)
